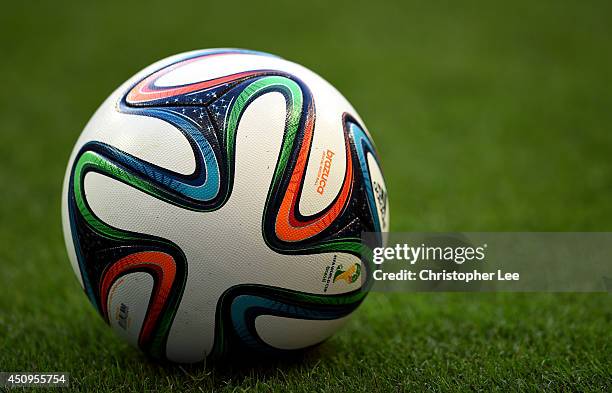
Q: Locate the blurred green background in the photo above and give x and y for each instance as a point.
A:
(488, 116)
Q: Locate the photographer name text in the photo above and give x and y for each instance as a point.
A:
(438, 255)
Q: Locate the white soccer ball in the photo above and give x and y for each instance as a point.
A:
(214, 203)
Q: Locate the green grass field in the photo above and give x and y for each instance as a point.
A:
(488, 117)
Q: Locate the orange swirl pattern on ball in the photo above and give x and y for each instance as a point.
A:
(288, 227)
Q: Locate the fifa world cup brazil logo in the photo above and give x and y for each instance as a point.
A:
(349, 275)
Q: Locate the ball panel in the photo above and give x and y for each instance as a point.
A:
(127, 304)
(241, 305)
(68, 232)
(326, 168)
(291, 333)
(150, 139)
(216, 66)
(365, 147)
(380, 192)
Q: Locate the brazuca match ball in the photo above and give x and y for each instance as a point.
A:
(215, 202)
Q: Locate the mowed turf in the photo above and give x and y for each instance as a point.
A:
(487, 117)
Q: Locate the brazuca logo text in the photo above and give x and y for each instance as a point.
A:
(324, 169)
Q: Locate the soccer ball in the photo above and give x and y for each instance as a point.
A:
(215, 202)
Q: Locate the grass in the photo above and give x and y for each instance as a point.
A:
(488, 117)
